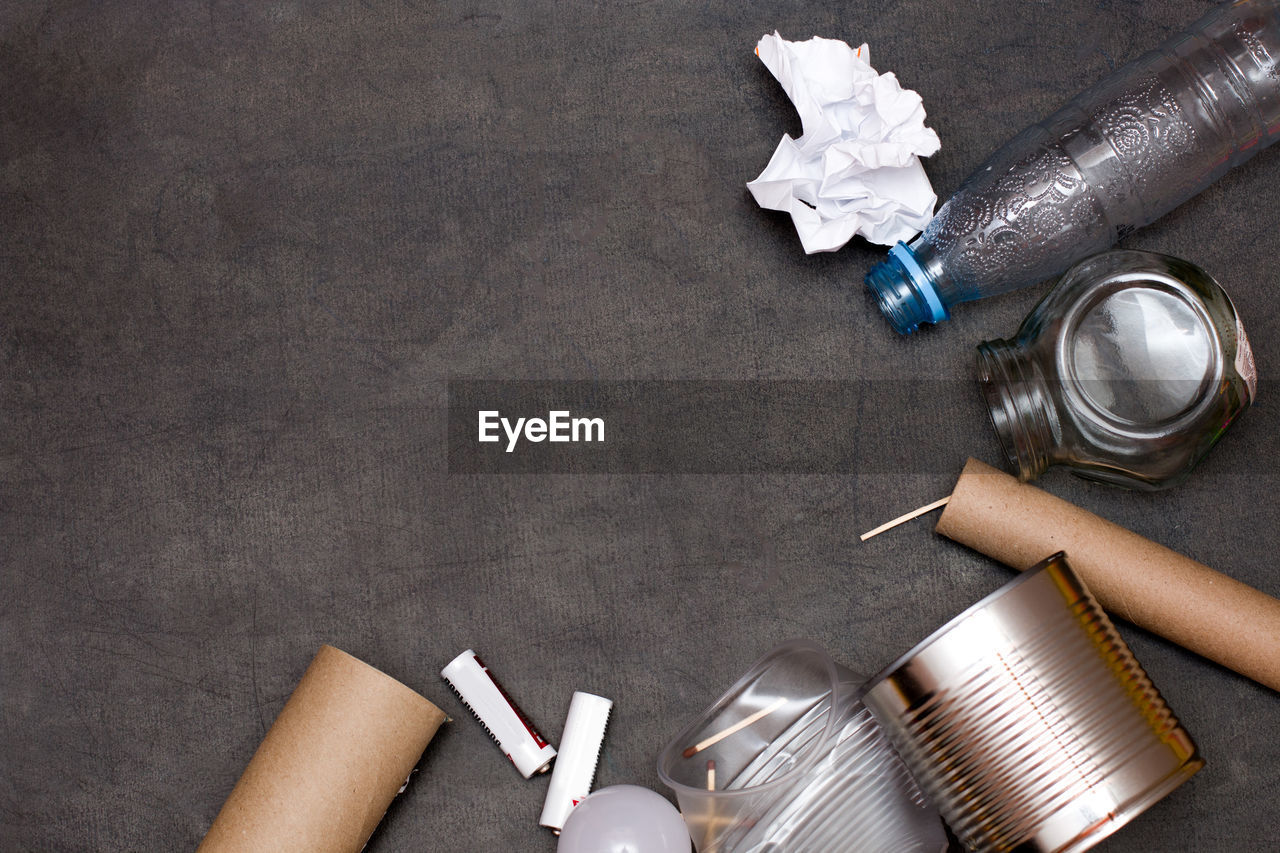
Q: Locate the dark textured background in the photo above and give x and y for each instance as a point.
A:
(243, 247)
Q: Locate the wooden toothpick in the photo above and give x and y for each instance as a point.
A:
(915, 513)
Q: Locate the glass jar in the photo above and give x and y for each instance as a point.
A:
(1127, 372)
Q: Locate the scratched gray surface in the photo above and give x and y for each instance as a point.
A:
(243, 246)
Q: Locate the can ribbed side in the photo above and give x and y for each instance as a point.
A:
(1032, 726)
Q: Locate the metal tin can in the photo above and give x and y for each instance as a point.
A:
(1028, 722)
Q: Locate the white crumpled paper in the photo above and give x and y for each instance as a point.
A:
(856, 169)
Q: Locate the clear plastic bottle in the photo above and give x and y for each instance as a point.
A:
(1128, 371)
(1118, 156)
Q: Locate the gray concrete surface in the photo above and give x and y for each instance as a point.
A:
(243, 247)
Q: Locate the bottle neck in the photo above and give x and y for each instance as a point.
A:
(907, 290)
(1022, 410)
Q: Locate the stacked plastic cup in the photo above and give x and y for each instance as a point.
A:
(790, 759)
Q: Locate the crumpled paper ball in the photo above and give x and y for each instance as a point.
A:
(856, 169)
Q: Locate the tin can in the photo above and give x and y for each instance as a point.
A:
(1028, 722)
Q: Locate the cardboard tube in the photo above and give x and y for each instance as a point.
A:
(1168, 594)
(340, 750)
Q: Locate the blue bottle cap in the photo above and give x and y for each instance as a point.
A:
(906, 294)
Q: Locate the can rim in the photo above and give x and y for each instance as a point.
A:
(1054, 560)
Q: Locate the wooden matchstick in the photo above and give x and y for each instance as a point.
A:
(711, 818)
(915, 513)
(690, 752)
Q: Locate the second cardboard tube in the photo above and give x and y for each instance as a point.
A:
(1134, 578)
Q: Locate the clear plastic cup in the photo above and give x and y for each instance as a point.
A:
(790, 759)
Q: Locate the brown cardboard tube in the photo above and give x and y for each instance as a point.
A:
(1171, 595)
(340, 750)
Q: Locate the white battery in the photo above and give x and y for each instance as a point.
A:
(579, 753)
(501, 717)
